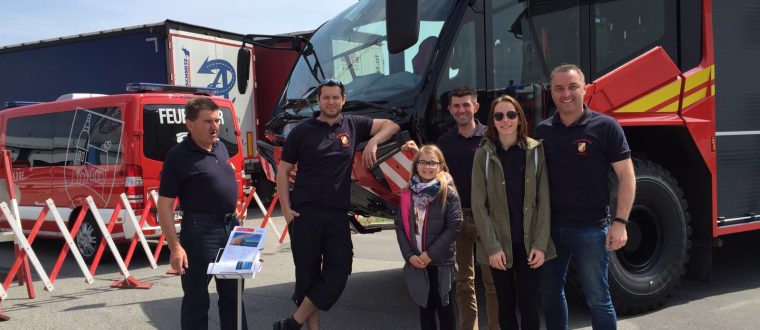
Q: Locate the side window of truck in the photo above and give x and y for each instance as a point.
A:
(624, 29)
(463, 66)
(30, 140)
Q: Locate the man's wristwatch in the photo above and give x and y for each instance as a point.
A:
(621, 220)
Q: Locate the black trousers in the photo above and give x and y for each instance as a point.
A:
(322, 253)
(518, 287)
(202, 237)
(446, 314)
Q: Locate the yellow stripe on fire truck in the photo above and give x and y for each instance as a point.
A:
(666, 99)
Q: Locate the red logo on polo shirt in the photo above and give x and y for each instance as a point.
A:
(343, 138)
(582, 145)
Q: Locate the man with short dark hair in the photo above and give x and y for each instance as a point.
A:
(581, 145)
(199, 172)
(316, 210)
(459, 146)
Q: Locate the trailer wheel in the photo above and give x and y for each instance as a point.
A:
(88, 238)
(644, 273)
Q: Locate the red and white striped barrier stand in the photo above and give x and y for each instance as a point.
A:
(243, 210)
(268, 214)
(70, 245)
(24, 274)
(159, 247)
(129, 281)
(269, 171)
(138, 227)
(26, 251)
(7, 235)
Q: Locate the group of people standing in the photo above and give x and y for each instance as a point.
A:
(529, 206)
(486, 196)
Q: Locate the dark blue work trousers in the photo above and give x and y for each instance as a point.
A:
(202, 236)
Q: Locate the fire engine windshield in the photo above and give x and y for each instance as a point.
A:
(164, 127)
(353, 48)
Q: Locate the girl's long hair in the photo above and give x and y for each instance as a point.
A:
(443, 175)
(522, 129)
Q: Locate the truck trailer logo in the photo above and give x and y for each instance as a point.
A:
(94, 148)
(186, 64)
(225, 75)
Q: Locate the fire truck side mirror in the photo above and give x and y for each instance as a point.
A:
(243, 68)
(402, 23)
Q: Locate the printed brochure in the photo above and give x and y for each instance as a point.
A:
(240, 257)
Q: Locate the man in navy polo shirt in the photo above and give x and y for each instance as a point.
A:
(316, 209)
(198, 171)
(580, 147)
(458, 146)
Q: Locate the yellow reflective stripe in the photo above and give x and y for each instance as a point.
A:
(694, 98)
(695, 86)
(673, 107)
(697, 79)
(712, 85)
(653, 99)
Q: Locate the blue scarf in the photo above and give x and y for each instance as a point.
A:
(423, 192)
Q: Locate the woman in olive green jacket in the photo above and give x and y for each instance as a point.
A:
(510, 204)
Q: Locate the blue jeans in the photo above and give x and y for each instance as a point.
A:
(586, 246)
(202, 237)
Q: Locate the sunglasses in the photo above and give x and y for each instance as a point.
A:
(499, 116)
(330, 82)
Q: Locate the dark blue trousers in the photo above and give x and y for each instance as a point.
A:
(202, 237)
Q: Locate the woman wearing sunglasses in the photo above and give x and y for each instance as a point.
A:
(510, 204)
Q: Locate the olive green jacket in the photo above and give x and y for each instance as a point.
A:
(489, 203)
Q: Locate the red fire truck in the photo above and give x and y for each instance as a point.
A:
(651, 64)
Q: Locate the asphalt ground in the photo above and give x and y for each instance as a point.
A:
(375, 297)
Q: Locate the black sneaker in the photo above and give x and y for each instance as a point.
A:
(280, 325)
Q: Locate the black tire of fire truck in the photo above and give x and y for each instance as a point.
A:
(644, 273)
(88, 236)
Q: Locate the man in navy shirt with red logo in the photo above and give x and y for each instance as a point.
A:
(580, 147)
(198, 171)
(316, 209)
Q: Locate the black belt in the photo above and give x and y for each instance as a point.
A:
(225, 217)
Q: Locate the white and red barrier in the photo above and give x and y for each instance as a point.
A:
(7, 236)
(67, 236)
(137, 227)
(26, 249)
(24, 253)
(129, 281)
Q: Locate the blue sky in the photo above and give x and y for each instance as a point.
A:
(33, 20)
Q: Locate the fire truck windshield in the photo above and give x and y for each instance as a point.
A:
(353, 48)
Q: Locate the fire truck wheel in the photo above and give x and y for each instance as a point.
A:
(644, 273)
(88, 238)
